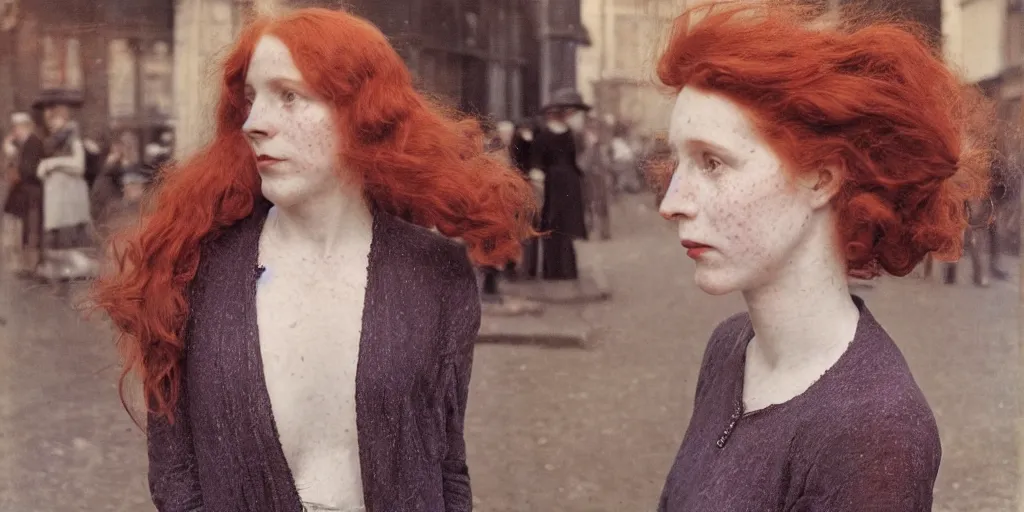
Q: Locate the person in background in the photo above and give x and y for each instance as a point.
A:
(24, 149)
(1003, 179)
(106, 188)
(594, 160)
(155, 156)
(499, 143)
(624, 165)
(66, 208)
(520, 151)
(554, 166)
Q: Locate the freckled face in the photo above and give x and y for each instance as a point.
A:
(729, 194)
(291, 130)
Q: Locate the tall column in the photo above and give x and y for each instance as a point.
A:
(544, 22)
(202, 32)
(7, 74)
(1020, 334)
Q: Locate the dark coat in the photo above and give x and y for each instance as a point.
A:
(555, 155)
(27, 193)
(420, 321)
(519, 152)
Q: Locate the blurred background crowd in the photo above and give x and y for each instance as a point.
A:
(96, 95)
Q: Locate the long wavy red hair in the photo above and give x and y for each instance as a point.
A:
(865, 94)
(414, 159)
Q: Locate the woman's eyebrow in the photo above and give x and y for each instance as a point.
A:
(701, 144)
(280, 82)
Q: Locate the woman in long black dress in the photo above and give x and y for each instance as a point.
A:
(554, 154)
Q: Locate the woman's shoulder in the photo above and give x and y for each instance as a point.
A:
(862, 438)
(236, 244)
(875, 403)
(727, 335)
(725, 340)
(421, 251)
(875, 385)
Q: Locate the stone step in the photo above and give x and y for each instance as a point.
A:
(563, 328)
(592, 286)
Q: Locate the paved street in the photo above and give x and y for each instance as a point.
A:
(560, 430)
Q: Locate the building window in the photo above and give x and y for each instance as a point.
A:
(157, 80)
(500, 35)
(441, 73)
(515, 93)
(516, 32)
(441, 22)
(475, 32)
(61, 65)
(497, 90)
(474, 96)
(121, 79)
(140, 71)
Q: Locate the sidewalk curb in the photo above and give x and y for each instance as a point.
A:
(591, 287)
(532, 330)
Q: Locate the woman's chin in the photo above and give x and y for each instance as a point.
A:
(713, 285)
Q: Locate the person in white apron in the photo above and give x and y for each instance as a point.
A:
(66, 216)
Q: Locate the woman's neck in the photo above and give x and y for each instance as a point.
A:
(323, 223)
(807, 310)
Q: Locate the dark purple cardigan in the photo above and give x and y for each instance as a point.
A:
(420, 320)
(860, 439)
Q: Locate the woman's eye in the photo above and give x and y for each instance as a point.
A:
(711, 163)
(289, 96)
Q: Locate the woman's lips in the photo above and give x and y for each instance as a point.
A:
(695, 249)
(264, 160)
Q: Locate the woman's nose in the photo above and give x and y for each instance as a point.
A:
(679, 202)
(257, 125)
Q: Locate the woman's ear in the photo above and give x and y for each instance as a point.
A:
(823, 185)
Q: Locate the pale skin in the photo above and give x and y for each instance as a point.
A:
(771, 237)
(315, 247)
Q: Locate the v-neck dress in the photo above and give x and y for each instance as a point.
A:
(862, 438)
(420, 321)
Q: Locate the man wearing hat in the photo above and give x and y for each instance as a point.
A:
(554, 163)
(24, 148)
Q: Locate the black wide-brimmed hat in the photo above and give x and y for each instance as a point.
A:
(566, 98)
(51, 97)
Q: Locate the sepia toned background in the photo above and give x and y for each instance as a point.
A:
(579, 398)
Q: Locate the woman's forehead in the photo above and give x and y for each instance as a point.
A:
(271, 60)
(706, 116)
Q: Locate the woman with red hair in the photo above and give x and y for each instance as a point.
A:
(806, 154)
(303, 338)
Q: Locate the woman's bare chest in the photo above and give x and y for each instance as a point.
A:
(310, 316)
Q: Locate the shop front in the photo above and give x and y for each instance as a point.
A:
(116, 55)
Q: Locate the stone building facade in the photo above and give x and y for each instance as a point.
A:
(616, 73)
(144, 66)
(117, 55)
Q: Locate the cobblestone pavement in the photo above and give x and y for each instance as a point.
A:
(573, 430)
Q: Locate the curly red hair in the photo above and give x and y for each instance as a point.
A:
(866, 95)
(414, 159)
